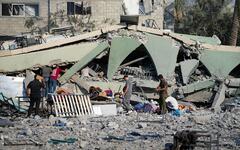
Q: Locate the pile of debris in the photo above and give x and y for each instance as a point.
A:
(149, 131)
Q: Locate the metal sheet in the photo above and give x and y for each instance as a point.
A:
(219, 97)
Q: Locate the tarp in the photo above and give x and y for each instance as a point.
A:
(11, 86)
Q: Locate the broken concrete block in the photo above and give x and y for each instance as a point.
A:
(113, 125)
(83, 144)
(52, 119)
(105, 109)
(187, 68)
(219, 98)
(201, 117)
(142, 125)
(235, 82)
(196, 86)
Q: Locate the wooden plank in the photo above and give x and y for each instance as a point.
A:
(86, 104)
(76, 101)
(74, 106)
(60, 102)
(65, 106)
(80, 104)
(90, 104)
(83, 105)
(71, 104)
(56, 105)
(66, 98)
(59, 106)
(77, 106)
(62, 41)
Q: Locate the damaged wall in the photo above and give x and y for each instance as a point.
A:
(164, 54)
(101, 10)
(11, 25)
(220, 63)
(64, 54)
(120, 49)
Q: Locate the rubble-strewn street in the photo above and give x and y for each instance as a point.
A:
(148, 131)
(119, 75)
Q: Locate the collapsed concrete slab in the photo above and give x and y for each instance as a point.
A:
(219, 97)
(140, 52)
(71, 53)
(187, 68)
(83, 61)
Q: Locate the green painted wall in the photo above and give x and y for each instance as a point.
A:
(220, 63)
(163, 53)
(121, 47)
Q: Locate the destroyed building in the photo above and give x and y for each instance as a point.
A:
(198, 69)
(191, 64)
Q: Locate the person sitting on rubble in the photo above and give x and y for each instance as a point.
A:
(127, 93)
(53, 78)
(162, 89)
(34, 92)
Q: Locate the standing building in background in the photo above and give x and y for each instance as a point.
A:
(94, 13)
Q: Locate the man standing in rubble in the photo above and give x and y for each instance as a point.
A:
(46, 72)
(127, 93)
(162, 89)
(53, 78)
(34, 92)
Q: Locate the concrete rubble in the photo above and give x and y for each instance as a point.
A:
(121, 131)
(207, 90)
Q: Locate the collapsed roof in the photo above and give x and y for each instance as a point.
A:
(182, 59)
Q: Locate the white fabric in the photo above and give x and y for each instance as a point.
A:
(131, 7)
(172, 101)
(11, 86)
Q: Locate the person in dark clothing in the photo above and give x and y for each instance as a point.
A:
(46, 72)
(127, 93)
(34, 92)
(162, 89)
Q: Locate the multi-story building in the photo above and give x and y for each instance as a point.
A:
(15, 13)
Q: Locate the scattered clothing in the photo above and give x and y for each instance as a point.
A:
(176, 112)
(171, 103)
